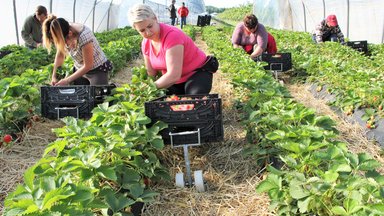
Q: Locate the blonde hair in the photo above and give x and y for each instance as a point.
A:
(140, 12)
(54, 31)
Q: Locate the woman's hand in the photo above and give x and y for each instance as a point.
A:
(63, 82)
(53, 81)
(257, 51)
(59, 60)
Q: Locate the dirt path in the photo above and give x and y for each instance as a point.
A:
(15, 159)
(231, 178)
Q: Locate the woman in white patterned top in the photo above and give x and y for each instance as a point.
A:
(77, 40)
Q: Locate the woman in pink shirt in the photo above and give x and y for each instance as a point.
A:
(169, 50)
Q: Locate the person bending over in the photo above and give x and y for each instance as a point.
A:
(31, 31)
(328, 30)
(251, 36)
(169, 50)
(91, 66)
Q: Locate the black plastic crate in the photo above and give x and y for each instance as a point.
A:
(277, 62)
(205, 115)
(76, 101)
(203, 20)
(100, 93)
(361, 46)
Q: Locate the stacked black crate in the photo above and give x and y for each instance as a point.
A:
(205, 116)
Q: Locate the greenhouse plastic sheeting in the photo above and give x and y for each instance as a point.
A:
(358, 19)
(99, 15)
(195, 7)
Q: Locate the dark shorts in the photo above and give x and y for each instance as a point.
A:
(97, 76)
(198, 83)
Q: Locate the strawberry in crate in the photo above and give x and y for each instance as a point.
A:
(180, 107)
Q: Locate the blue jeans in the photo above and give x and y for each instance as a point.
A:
(173, 21)
(330, 37)
(183, 22)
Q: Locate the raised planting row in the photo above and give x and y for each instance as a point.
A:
(20, 96)
(356, 80)
(313, 173)
(20, 58)
(102, 166)
(97, 167)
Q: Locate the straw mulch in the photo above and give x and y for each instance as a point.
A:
(15, 159)
(231, 178)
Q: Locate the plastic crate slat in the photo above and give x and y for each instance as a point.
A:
(278, 61)
(206, 115)
(361, 46)
(84, 97)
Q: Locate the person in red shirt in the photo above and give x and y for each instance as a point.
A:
(183, 13)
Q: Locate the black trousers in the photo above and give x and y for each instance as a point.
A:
(198, 83)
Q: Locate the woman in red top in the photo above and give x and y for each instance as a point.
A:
(183, 13)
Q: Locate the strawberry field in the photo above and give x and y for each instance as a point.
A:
(278, 157)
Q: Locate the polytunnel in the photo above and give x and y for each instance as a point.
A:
(358, 19)
(99, 15)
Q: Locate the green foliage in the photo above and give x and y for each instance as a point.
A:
(98, 164)
(318, 175)
(236, 14)
(22, 59)
(20, 96)
(328, 63)
(212, 9)
(114, 35)
(190, 31)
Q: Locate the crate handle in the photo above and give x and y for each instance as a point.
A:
(67, 108)
(276, 56)
(186, 133)
(278, 64)
(67, 91)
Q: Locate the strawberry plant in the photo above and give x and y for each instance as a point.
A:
(317, 175)
(20, 94)
(97, 166)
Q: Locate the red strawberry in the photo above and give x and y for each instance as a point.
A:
(7, 138)
(147, 181)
